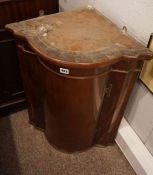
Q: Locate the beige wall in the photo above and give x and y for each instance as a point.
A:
(66, 5)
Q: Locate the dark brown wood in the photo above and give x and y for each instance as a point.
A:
(17, 10)
(77, 87)
(9, 74)
(71, 107)
(42, 80)
(11, 90)
(32, 85)
(122, 79)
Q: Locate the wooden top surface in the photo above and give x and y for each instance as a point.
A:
(79, 37)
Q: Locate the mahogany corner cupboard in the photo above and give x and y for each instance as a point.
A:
(11, 91)
(78, 71)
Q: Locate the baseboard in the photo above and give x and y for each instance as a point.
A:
(134, 150)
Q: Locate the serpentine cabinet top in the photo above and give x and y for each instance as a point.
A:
(82, 37)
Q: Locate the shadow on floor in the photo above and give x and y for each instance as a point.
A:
(9, 164)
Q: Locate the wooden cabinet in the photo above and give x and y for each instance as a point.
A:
(78, 71)
(11, 89)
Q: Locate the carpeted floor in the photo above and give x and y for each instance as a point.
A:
(25, 151)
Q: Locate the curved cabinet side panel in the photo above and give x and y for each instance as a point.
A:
(30, 70)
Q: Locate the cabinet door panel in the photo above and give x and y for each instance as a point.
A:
(122, 81)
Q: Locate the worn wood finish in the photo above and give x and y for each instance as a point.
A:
(90, 44)
(12, 95)
(85, 105)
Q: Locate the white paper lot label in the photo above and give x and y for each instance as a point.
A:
(64, 71)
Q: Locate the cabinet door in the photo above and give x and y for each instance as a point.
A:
(119, 86)
(10, 81)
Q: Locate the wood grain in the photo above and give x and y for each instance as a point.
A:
(84, 106)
